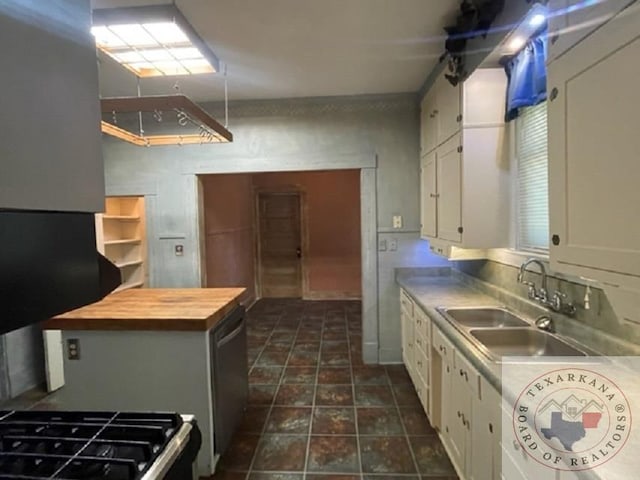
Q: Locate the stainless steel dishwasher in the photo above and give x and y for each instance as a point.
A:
(230, 380)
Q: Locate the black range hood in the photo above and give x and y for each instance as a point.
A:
(49, 265)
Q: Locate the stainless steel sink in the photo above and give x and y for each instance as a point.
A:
(485, 317)
(501, 342)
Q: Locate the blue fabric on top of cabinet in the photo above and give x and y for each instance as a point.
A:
(527, 76)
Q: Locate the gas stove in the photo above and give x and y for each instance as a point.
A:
(38, 445)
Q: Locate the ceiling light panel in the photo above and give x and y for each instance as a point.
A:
(152, 41)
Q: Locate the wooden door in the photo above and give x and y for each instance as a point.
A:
(593, 151)
(280, 244)
(449, 175)
(429, 196)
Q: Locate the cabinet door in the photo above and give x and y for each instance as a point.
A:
(485, 436)
(575, 19)
(448, 109)
(429, 196)
(446, 396)
(449, 205)
(459, 420)
(407, 341)
(429, 124)
(593, 151)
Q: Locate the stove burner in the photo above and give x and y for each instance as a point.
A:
(82, 445)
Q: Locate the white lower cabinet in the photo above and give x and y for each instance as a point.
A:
(416, 335)
(463, 407)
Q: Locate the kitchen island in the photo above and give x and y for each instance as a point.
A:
(146, 350)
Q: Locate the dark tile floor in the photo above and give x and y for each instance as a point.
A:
(317, 412)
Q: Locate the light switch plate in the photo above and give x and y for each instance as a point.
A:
(393, 244)
(382, 245)
(397, 221)
(179, 249)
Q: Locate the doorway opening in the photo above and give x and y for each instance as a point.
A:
(283, 234)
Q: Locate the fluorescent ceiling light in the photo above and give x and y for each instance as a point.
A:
(152, 41)
(166, 33)
(517, 43)
(537, 20)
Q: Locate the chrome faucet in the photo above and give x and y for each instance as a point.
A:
(557, 302)
(534, 294)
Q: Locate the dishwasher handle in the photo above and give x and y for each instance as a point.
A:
(231, 335)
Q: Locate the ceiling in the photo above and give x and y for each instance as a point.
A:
(301, 48)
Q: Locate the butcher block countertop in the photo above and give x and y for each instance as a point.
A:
(158, 309)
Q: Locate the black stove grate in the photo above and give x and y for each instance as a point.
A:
(36, 445)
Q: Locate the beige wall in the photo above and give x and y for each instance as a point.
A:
(333, 261)
(228, 213)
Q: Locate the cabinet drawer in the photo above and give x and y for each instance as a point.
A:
(406, 303)
(464, 369)
(422, 366)
(442, 345)
(423, 323)
(421, 343)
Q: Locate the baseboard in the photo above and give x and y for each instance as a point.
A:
(390, 355)
(332, 296)
(370, 352)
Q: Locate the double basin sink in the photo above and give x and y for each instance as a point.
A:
(499, 333)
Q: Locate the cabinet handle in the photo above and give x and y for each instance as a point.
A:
(434, 195)
(459, 414)
(491, 427)
(553, 94)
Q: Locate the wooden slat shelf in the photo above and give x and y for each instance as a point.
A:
(122, 218)
(123, 241)
(128, 264)
(123, 223)
(127, 286)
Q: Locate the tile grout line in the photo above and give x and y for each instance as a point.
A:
(273, 400)
(353, 393)
(313, 400)
(404, 429)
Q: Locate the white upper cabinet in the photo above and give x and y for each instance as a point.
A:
(483, 98)
(449, 197)
(50, 140)
(428, 123)
(573, 20)
(465, 181)
(429, 205)
(593, 154)
(448, 114)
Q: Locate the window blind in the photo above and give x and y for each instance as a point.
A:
(533, 191)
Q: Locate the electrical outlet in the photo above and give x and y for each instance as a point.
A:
(382, 245)
(179, 249)
(393, 244)
(397, 221)
(73, 349)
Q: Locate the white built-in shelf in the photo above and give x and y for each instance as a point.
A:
(122, 218)
(121, 237)
(128, 264)
(128, 285)
(122, 241)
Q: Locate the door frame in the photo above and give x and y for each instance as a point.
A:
(304, 233)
